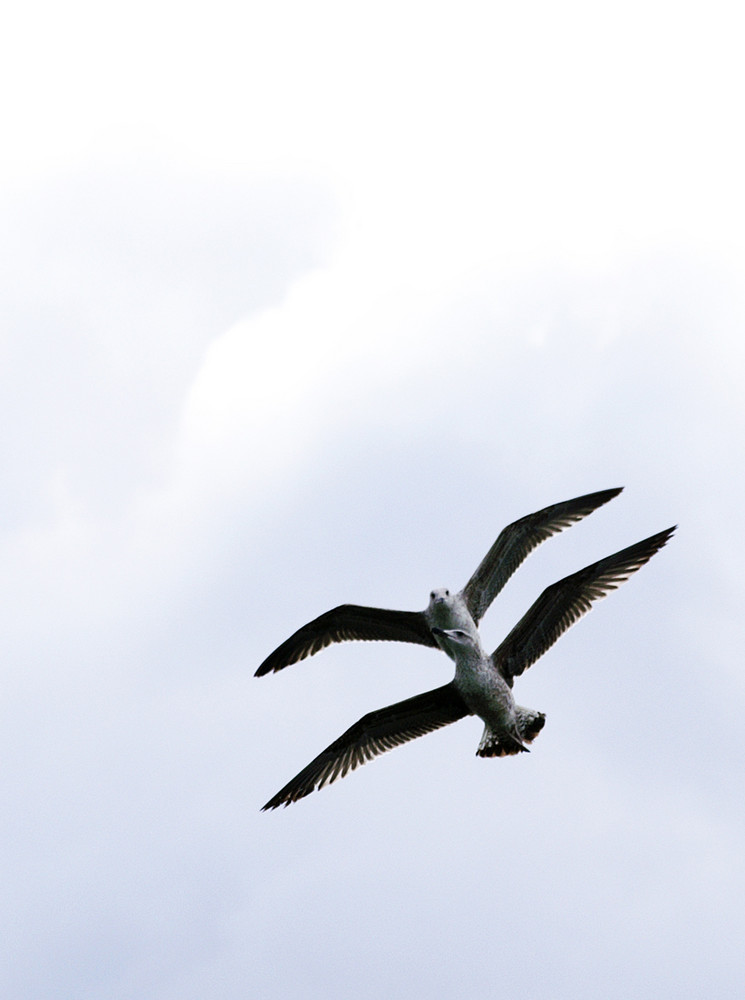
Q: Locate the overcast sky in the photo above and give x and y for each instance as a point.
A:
(301, 305)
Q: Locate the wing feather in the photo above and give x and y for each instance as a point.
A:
(565, 602)
(372, 735)
(347, 622)
(517, 541)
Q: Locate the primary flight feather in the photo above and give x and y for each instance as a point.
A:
(482, 684)
(462, 609)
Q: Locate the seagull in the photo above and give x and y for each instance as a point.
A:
(482, 684)
(446, 610)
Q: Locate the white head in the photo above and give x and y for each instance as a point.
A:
(440, 596)
(448, 610)
(456, 640)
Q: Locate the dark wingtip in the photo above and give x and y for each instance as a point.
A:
(275, 803)
(284, 800)
(276, 662)
(271, 664)
(605, 495)
(666, 535)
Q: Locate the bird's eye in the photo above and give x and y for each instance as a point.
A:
(447, 593)
(432, 596)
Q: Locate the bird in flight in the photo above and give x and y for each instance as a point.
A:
(463, 609)
(482, 684)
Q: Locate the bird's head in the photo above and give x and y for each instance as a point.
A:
(454, 639)
(439, 596)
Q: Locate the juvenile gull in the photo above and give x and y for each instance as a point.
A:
(482, 684)
(447, 610)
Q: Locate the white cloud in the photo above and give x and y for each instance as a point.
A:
(497, 266)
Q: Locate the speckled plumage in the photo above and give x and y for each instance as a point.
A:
(486, 692)
(482, 684)
(462, 609)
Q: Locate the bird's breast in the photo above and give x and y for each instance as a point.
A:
(485, 692)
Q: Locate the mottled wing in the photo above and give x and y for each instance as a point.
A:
(348, 621)
(518, 540)
(372, 735)
(564, 603)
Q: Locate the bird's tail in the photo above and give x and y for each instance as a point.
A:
(528, 725)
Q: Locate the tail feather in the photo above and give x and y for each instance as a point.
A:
(499, 745)
(505, 744)
(529, 723)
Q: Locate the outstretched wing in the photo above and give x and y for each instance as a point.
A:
(564, 603)
(348, 621)
(517, 541)
(372, 735)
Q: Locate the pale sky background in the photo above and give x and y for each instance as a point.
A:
(302, 303)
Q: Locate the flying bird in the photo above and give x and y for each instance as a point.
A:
(482, 684)
(462, 609)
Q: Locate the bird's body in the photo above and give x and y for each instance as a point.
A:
(482, 684)
(458, 609)
(507, 726)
